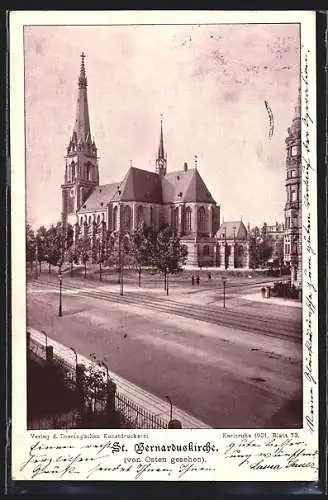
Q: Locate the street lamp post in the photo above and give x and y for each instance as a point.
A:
(107, 371)
(72, 349)
(121, 267)
(60, 276)
(225, 248)
(171, 407)
(36, 258)
(224, 279)
(46, 337)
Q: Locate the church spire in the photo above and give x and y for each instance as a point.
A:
(81, 169)
(161, 141)
(81, 129)
(161, 159)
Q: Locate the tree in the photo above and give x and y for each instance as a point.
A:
(55, 245)
(260, 247)
(117, 253)
(142, 248)
(99, 250)
(169, 254)
(30, 245)
(71, 256)
(42, 245)
(83, 247)
(265, 251)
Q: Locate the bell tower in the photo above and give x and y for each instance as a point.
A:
(161, 160)
(81, 170)
(293, 206)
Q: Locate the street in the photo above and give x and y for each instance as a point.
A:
(238, 367)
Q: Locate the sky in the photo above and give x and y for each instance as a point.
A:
(210, 82)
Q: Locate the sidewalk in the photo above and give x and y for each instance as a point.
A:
(257, 297)
(148, 401)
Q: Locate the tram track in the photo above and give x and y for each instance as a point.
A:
(275, 328)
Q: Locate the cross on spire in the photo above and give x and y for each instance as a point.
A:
(196, 161)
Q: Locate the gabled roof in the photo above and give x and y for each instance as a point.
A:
(99, 198)
(141, 185)
(185, 185)
(144, 186)
(232, 229)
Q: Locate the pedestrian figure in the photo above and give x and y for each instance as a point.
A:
(209, 276)
(192, 280)
(263, 292)
(197, 279)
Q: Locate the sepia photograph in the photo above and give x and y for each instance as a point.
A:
(163, 226)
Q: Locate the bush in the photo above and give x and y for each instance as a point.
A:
(284, 290)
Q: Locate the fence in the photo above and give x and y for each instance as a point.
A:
(95, 398)
(136, 417)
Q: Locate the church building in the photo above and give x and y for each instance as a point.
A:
(179, 198)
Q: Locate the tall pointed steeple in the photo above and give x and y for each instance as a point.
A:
(161, 160)
(81, 172)
(81, 129)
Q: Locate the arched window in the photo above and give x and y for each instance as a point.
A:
(241, 251)
(72, 171)
(89, 219)
(206, 250)
(81, 221)
(140, 215)
(115, 218)
(127, 217)
(201, 220)
(98, 219)
(151, 216)
(188, 220)
(176, 219)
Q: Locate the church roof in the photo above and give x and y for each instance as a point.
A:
(185, 185)
(99, 198)
(141, 185)
(232, 229)
(144, 186)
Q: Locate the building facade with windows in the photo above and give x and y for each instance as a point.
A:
(293, 206)
(177, 198)
(274, 235)
(232, 251)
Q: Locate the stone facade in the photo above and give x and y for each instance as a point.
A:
(293, 207)
(179, 198)
(232, 249)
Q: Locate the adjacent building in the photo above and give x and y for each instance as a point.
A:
(274, 235)
(293, 207)
(232, 246)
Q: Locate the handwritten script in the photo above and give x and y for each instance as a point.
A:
(129, 460)
(309, 249)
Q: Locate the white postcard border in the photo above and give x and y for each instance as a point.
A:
(216, 460)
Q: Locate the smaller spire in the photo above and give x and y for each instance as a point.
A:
(161, 154)
(161, 159)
